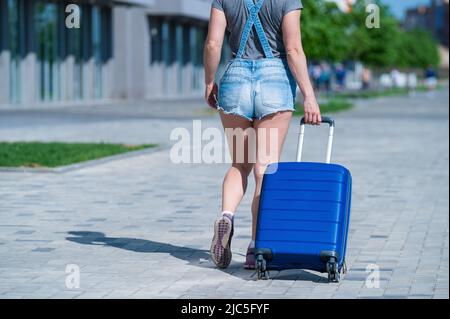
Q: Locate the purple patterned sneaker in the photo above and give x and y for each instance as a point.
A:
(250, 259)
(220, 246)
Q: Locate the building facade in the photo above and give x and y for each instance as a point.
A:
(434, 18)
(121, 50)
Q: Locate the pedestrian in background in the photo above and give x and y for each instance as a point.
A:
(366, 78)
(326, 77)
(430, 79)
(340, 74)
(317, 76)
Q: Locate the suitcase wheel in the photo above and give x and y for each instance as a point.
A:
(333, 270)
(261, 268)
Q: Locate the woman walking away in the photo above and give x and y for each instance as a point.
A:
(257, 92)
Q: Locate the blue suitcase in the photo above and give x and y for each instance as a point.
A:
(304, 215)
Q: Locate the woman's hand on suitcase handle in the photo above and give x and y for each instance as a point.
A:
(312, 111)
(211, 94)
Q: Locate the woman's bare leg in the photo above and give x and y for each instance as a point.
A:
(268, 142)
(237, 130)
(235, 181)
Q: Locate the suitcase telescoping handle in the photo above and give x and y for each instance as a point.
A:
(330, 138)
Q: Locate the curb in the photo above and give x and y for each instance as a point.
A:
(86, 164)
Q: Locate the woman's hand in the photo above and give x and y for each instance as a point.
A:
(298, 65)
(312, 111)
(211, 95)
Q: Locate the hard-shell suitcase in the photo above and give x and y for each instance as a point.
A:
(304, 215)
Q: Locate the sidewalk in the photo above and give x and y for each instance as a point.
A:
(141, 227)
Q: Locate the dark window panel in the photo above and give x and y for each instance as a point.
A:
(156, 40)
(186, 41)
(3, 25)
(172, 43)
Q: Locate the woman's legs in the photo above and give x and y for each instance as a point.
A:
(271, 133)
(234, 186)
(235, 181)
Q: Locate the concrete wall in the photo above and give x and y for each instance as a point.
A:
(134, 77)
(197, 9)
(131, 52)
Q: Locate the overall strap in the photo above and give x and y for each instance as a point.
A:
(253, 20)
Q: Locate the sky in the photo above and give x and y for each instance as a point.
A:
(399, 6)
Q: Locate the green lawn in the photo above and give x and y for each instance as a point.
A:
(369, 94)
(37, 154)
(332, 106)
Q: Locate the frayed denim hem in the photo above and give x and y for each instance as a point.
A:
(275, 112)
(220, 109)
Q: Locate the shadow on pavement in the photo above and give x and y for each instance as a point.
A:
(301, 275)
(191, 255)
(196, 257)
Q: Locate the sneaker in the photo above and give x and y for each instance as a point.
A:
(250, 259)
(220, 246)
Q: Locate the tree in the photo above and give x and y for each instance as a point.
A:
(376, 47)
(332, 35)
(323, 31)
(417, 49)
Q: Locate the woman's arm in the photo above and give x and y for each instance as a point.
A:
(298, 65)
(213, 51)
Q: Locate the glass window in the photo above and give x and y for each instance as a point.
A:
(193, 55)
(74, 49)
(156, 40)
(186, 47)
(106, 34)
(172, 43)
(166, 54)
(165, 42)
(97, 50)
(15, 43)
(3, 21)
(46, 22)
(201, 37)
(179, 57)
(176, 45)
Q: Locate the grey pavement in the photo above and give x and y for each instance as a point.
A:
(140, 227)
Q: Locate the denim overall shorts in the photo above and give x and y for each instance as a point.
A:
(254, 89)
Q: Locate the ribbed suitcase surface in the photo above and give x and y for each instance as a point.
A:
(304, 210)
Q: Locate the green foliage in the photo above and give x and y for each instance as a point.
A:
(417, 48)
(324, 31)
(375, 47)
(329, 34)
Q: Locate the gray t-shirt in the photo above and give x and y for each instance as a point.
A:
(271, 16)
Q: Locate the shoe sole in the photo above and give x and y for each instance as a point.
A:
(223, 258)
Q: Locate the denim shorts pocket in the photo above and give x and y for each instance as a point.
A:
(275, 93)
(229, 95)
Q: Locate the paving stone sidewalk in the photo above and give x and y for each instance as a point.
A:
(141, 227)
